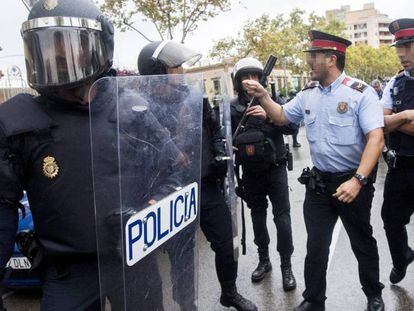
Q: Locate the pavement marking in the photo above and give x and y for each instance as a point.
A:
(335, 238)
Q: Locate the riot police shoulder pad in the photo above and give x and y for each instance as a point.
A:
(22, 114)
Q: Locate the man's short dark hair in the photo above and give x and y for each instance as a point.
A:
(340, 59)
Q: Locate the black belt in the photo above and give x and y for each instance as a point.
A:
(406, 162)
(335, 177)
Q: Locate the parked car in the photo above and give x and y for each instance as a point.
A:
(21, 276)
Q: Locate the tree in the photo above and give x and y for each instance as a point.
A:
(284, 37)
(367, 63)
(171, 18)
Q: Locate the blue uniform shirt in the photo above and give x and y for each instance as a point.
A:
(337, 118)
(386, 99)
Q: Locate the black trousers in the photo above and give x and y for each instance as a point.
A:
(321, 212)
(258, 186)
(397, 209)
(216, 224)
(76, 288)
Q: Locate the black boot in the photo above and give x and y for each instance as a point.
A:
(289, 281)
(263, 267)
(309, 306)
(375, 303)
(397, 275)
(231, 298)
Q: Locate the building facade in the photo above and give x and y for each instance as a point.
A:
(365, 26)
(217, 79)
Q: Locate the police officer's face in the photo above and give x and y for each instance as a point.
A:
(175, 80)
(176, 70)
(318, 62)
(406, 54)
(249, 76)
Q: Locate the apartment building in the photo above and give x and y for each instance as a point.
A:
(365, 26)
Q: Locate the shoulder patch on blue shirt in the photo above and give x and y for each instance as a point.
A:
(359, 86)
(310, 85)
(400, 75)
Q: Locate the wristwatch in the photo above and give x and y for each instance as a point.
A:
(362, 179)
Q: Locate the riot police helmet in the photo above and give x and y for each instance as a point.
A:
(245, 66)
(156, 57)
(66, 43)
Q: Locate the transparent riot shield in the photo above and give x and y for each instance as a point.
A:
(223, 103)
(146, 152)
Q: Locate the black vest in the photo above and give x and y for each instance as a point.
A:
(53, 145)
(61, 198)
(402, 94)
(238, 106)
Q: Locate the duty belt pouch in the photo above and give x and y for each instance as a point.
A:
(255, 151)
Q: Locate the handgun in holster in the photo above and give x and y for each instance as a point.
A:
(391, 158)
(312, 179)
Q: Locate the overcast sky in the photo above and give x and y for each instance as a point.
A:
(128, 45)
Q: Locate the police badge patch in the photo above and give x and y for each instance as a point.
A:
(50, 167)
(50, 4)
(250, 150)
(342, 107)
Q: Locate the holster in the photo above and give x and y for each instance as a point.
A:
(312, 179)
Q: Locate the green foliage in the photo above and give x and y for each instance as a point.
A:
(170, 17)
(284, 37)
(367, 63)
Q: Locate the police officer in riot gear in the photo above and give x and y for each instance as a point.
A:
(398, 103)
(168, 57)
(45, 149)
(264, 174)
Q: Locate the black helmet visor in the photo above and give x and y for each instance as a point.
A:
(63, 56)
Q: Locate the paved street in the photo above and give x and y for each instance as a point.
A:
(344, 291)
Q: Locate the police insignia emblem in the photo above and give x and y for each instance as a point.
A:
(50, 4)
(250, 150)
(50, 167)
(342, 107)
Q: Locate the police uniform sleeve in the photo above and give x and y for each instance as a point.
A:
(386, 100)
(293, 109)
(370, 112)
(11, 193)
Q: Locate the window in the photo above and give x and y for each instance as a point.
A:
(217, 86)
(384, 33)
(360, 26)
